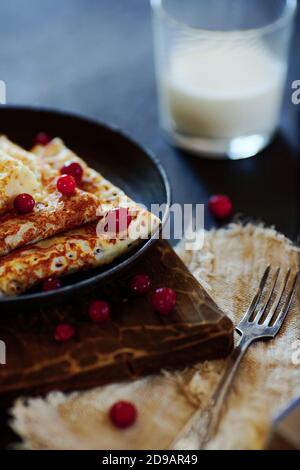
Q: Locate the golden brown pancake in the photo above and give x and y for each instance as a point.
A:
(79, 249)
(53, 212)
(56, 155)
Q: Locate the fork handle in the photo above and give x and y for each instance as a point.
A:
(204, 423)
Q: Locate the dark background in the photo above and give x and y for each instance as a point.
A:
(95, 57)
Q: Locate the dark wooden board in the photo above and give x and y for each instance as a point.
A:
(134, 342)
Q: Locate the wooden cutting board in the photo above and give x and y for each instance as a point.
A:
(134, 342)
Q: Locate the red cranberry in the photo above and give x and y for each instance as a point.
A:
(42, 138)
(64, 332)
(140, 284)
(24, 203)
(51, 284)
(66, 185)
(117, 220)
(220, 206)
(123, 414)
(99, 311)
(164, 300)
(74, 169)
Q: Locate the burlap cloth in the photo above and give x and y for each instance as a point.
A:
(229, 266)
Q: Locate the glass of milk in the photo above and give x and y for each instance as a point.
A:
(221, 69)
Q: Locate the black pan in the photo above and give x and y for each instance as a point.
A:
(113, 154)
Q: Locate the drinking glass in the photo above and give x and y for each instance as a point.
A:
(221, 69)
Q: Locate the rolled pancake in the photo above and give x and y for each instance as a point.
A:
(53, 212)
(27, 158)
(56, 155)
(79, 249)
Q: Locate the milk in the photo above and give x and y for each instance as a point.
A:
(222, 89)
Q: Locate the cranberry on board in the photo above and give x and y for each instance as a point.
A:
(140, 284)
(123, 414)
(73, 169)
(66, 185)
(164, 300)
(24, 203)
(99, 311)
(64, 332)
(220, 206)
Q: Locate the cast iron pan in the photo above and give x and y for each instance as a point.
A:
(113, 154)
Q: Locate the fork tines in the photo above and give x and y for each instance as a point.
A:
(270, 313)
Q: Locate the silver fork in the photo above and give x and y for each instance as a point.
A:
(262, 320)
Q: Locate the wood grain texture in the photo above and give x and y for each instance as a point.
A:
(136, 341)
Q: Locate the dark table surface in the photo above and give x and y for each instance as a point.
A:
(95, 57)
